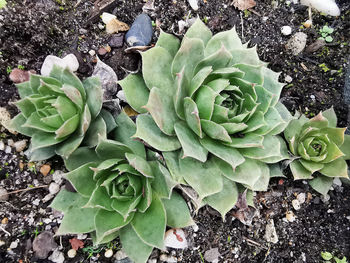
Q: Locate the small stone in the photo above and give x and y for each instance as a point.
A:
(312, 97)
(83, 31)
(5, 116)
(193, 4)
(286, 30)
(115, 26)
(296, 43)
(141, 31)
(81, 236)
(47, 221)
(2, 243)
(270, 232)
(109, 253)
(212, 255)
(2, 146)
(120, 255)
(92, 52)
(117, 40)
(175, 238)
(57, 177)
(8, 149)
(45, 169)
(307, 23)
(181, 24)
(106, 17)
(168, 259)
(288, 79)
(102, 51)
(100, 26)
(319, 43)
(4, 221)
(296, 204)
(195, 227)
(20, 145)
(18, 75)
(47, 197)
(71, 253)
(71, 62)
(325, 198)
(10, 142)
(121, 95)
(14, 244)
(43, 244)
(57, 256)
(316, 200)
(290, 216)
(301, 198)
(3, 194)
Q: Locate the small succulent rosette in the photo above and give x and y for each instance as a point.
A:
(59, 112)
(212, 108)
(317, 145)
(120, 194)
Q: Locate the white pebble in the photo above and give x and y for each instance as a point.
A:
(36, 202)
(120, 255)
(296, 204)
(100, 26)
(301, 198)
(193, 4)
(288, 79)
(92, 52)
(2, 243)
(14, 244)
(71, 62)
(106, 17)
(290, 216)
(71, 253)
(175, 238)
(109, 253)
(8, 149)
(10, 142)
(286, 30)
(195, 227)
(2, 146)
(54, 188)
(20, 145)
(328, 7)
(312, 97)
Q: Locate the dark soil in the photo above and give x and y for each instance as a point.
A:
(32, 29)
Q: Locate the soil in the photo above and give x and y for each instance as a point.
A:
(32, 29)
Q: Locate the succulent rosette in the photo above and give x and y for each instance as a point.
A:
(209, 94)
(319, 146)
(59, 112)
(120, 194)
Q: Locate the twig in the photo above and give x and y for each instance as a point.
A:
(78, 3)
(5, 231)
(24, 190)
(254, 243)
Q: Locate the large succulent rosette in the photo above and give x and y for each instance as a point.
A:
(60, 112)
(319, 146)
(210, 94)
(119, 193)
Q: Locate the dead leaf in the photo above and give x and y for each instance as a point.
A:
(114, 26)
(245, 213)
(130, 111)
(76, 243)
(244, 4)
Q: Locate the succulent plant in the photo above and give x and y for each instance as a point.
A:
(119, 193)
(59, 113)
(319, 146)
(209, 94)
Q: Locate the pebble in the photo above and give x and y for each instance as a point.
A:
(115, 26)
(106, 17)
(212, 255)
(36, 202)
(45, 169)
(117, 40)
(57, 256)
(4, 115)
(14, 244)
(325, 198)
(108, 79)
(71, 253)
(195, 227)
(2, 243)
(319, 43)
(288, 79)
(290, 216)
(296, 204)
(4, 221)
(47, 221)
(270, 232)
(193, 4)
(57, 177)
(92, 52)
(175, 238)
(296, 43)
(120, 255)
(153, 260)
(20, 145)
(81, 236)
(69, 61)
(307, 23)
(141, 31)
(301, 198)
(19, 75)
(43, 244)
(2, 146)
(328, 7)
(10, 142)
(100, 26)
(109, 253)
(286, 30)
(166, 258)
(121, 95)
(312, 97)
(82, 31)
(47, 198)
(3, 194)
(8, 149)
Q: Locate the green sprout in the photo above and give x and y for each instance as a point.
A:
(9, 68)
(2, 3)
(327, 256)
(20, 67)
(326, 32)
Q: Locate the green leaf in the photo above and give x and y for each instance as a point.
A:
(81, 156)
(85, 120)
(34, 122)
(24, 89)
(94, 94)
(192, 116)
(217, 60)
(107, 222)
(126, 129)
(345, 147)
(66, 200)
(311, 166)
(17, 124)
(41, 154)
(140, 164)
(68, 127)
(100, 199)
(158, 74)
(168, 42)
(199, 30)
(136, 91)
(248, 141)
(82, 179)
(299, 172)
(215, 131)
(148, 131)
(172, 162)
(177, 212)
(108, 119)
(150, 225)
(271, 83)
(321, 184)
(65, 108)
(336, 168)
(190, 143)
(200, 176)
(134, 247)
(205, 98)
(108, 149)
(180, 93)
(161, 107)
(25, 106)
(74, 95)
(198, 79)
(226, 153)
(326, 255)
(68, 146)
(163, 183)
(229, 39)
(225, 200)
(43, 139)
(331, 117)
(97, 129)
